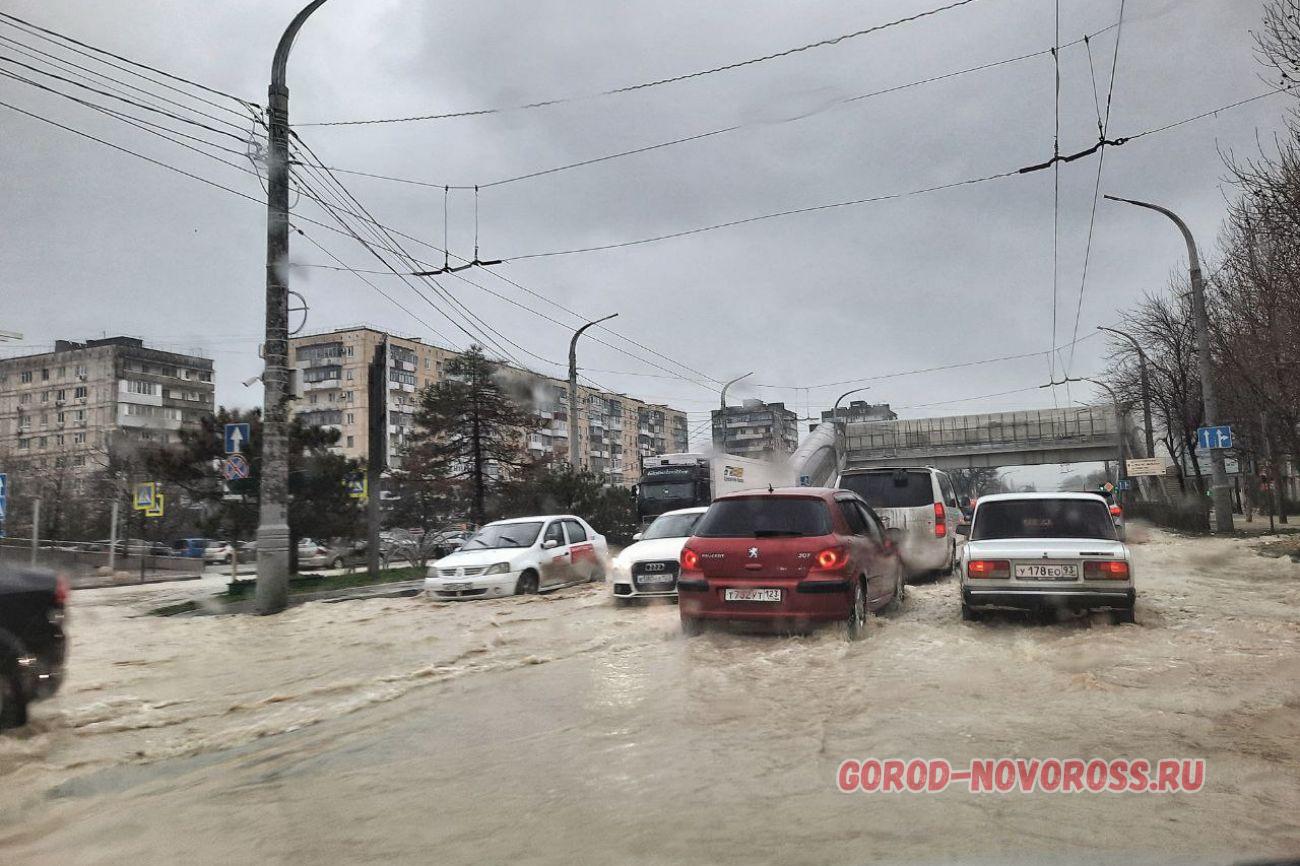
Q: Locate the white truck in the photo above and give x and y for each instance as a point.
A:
(672, 481)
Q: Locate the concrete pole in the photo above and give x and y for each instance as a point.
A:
(574, 455)
(112, 536)
(273, 519)
(36, 527)
(723, 404)
(1218, 469)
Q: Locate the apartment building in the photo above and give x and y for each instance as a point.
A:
(614, 430)
(69, 406)
(861, 410)
(756, 429)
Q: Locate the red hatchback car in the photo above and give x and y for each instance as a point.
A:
(788, 558)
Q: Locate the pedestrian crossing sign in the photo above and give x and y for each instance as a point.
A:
(144, 495)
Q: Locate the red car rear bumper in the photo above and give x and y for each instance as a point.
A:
(804, 601)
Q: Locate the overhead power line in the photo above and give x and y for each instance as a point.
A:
(821, 43)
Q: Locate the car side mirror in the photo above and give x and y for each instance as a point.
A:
(636, 536)
(549, 543)
(963, 529)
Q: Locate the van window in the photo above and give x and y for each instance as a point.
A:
(892, 488)
(765, 517)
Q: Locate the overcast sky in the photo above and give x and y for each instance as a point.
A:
(97, 242)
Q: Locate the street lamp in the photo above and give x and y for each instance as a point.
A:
(840, 399)
(1119, 422)
(1146, 387)
(573, 388)
(1218, 471)
(273, 495)
(723, 414)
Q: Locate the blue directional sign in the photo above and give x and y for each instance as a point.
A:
(237, 436)
(1125, 484)
(4, 494)
(1208, 438)
(805, 481)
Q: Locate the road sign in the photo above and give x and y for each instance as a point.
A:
(234, 467)
(357, 488)
(155, 510)
(1108, 487)
(1208, 438)
(805, 481)
(237, 436)
(4, 493)
(144, 495)
(1145, 466)
(1125, 484)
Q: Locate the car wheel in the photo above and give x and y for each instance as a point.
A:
(691, 626)
(13, 703)
(856, 625)
(337, 562)
(527, 583)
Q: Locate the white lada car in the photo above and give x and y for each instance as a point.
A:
(648, 567)
(520, 556)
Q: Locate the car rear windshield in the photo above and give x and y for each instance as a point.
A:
(765, 517)
(1043, 518)
(894, 489)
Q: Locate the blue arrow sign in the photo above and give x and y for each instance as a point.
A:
(237, 436)
(1209, 438)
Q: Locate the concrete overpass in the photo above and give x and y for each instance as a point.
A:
(1079, 434)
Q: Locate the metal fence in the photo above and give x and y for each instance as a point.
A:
(82, 560)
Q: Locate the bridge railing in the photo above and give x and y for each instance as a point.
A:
(1010, 430)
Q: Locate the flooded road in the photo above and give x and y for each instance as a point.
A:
(563, 729)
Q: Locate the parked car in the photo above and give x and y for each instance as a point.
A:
(648, 567)
(189, 548)
(1043, 551)
(521, 556)
(310, 554)
(33, 645)
(922, 504)
(218, 552)
(789, 558)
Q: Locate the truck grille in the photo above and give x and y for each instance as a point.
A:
(655, 575)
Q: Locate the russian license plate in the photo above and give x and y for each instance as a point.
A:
(455, 587)
(1048, 571)
(656, 578)
(751, 595)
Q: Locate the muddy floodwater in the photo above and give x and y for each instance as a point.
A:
(562, 729)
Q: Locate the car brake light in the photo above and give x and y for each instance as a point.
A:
(690, 560)
(832, 559)
(1105, 570)
(61, 590)
(940, 521)
(989, 568)
(1116, 511)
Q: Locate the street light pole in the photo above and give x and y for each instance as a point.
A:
(1146, 387)
(573, 389)
(1218, 470)
(840, 399)
(273, 495)
(723, 403)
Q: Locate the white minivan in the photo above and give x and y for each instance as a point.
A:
(921, 503)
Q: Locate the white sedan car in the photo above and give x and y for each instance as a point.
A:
(520, 556)
(1042, 551)
(648, 567)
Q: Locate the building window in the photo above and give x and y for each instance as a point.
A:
(59, 418)
(45, 396)
(40, 442)
(26, 376)
(79, 391)
(79, 460)
(349, 441)
(81, 370)
(58, 439)
(78, 438)
(135, 386)
(25, 398)
(79, 415)
(24, 444)
(351, 418)
(205, 377)
(45, 374)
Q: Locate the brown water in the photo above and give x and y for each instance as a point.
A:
(561, 729)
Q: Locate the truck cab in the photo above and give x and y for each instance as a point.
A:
(670, 482)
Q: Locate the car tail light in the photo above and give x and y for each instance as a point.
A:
(989, 569)
(831, 559)
(940, 521)
(690, 560)
(1116, 511)
(1105, 569)
(61, 590)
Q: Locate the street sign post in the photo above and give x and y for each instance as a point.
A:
(1145, 466)
(237, 436)
(358, 487)
(235, 467)
(4, 495)
(156, 510)
(1210, 438)
(143, 495)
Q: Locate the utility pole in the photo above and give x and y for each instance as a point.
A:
(573, 390)
(835, 410)
(723, 404)
(1218, 469)
(1146, 387)
(273, 518)
(377, 453)
(36, 528)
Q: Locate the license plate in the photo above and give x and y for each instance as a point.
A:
(1048, 571)
(455, 587)
(655, 578)
(751, 595)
